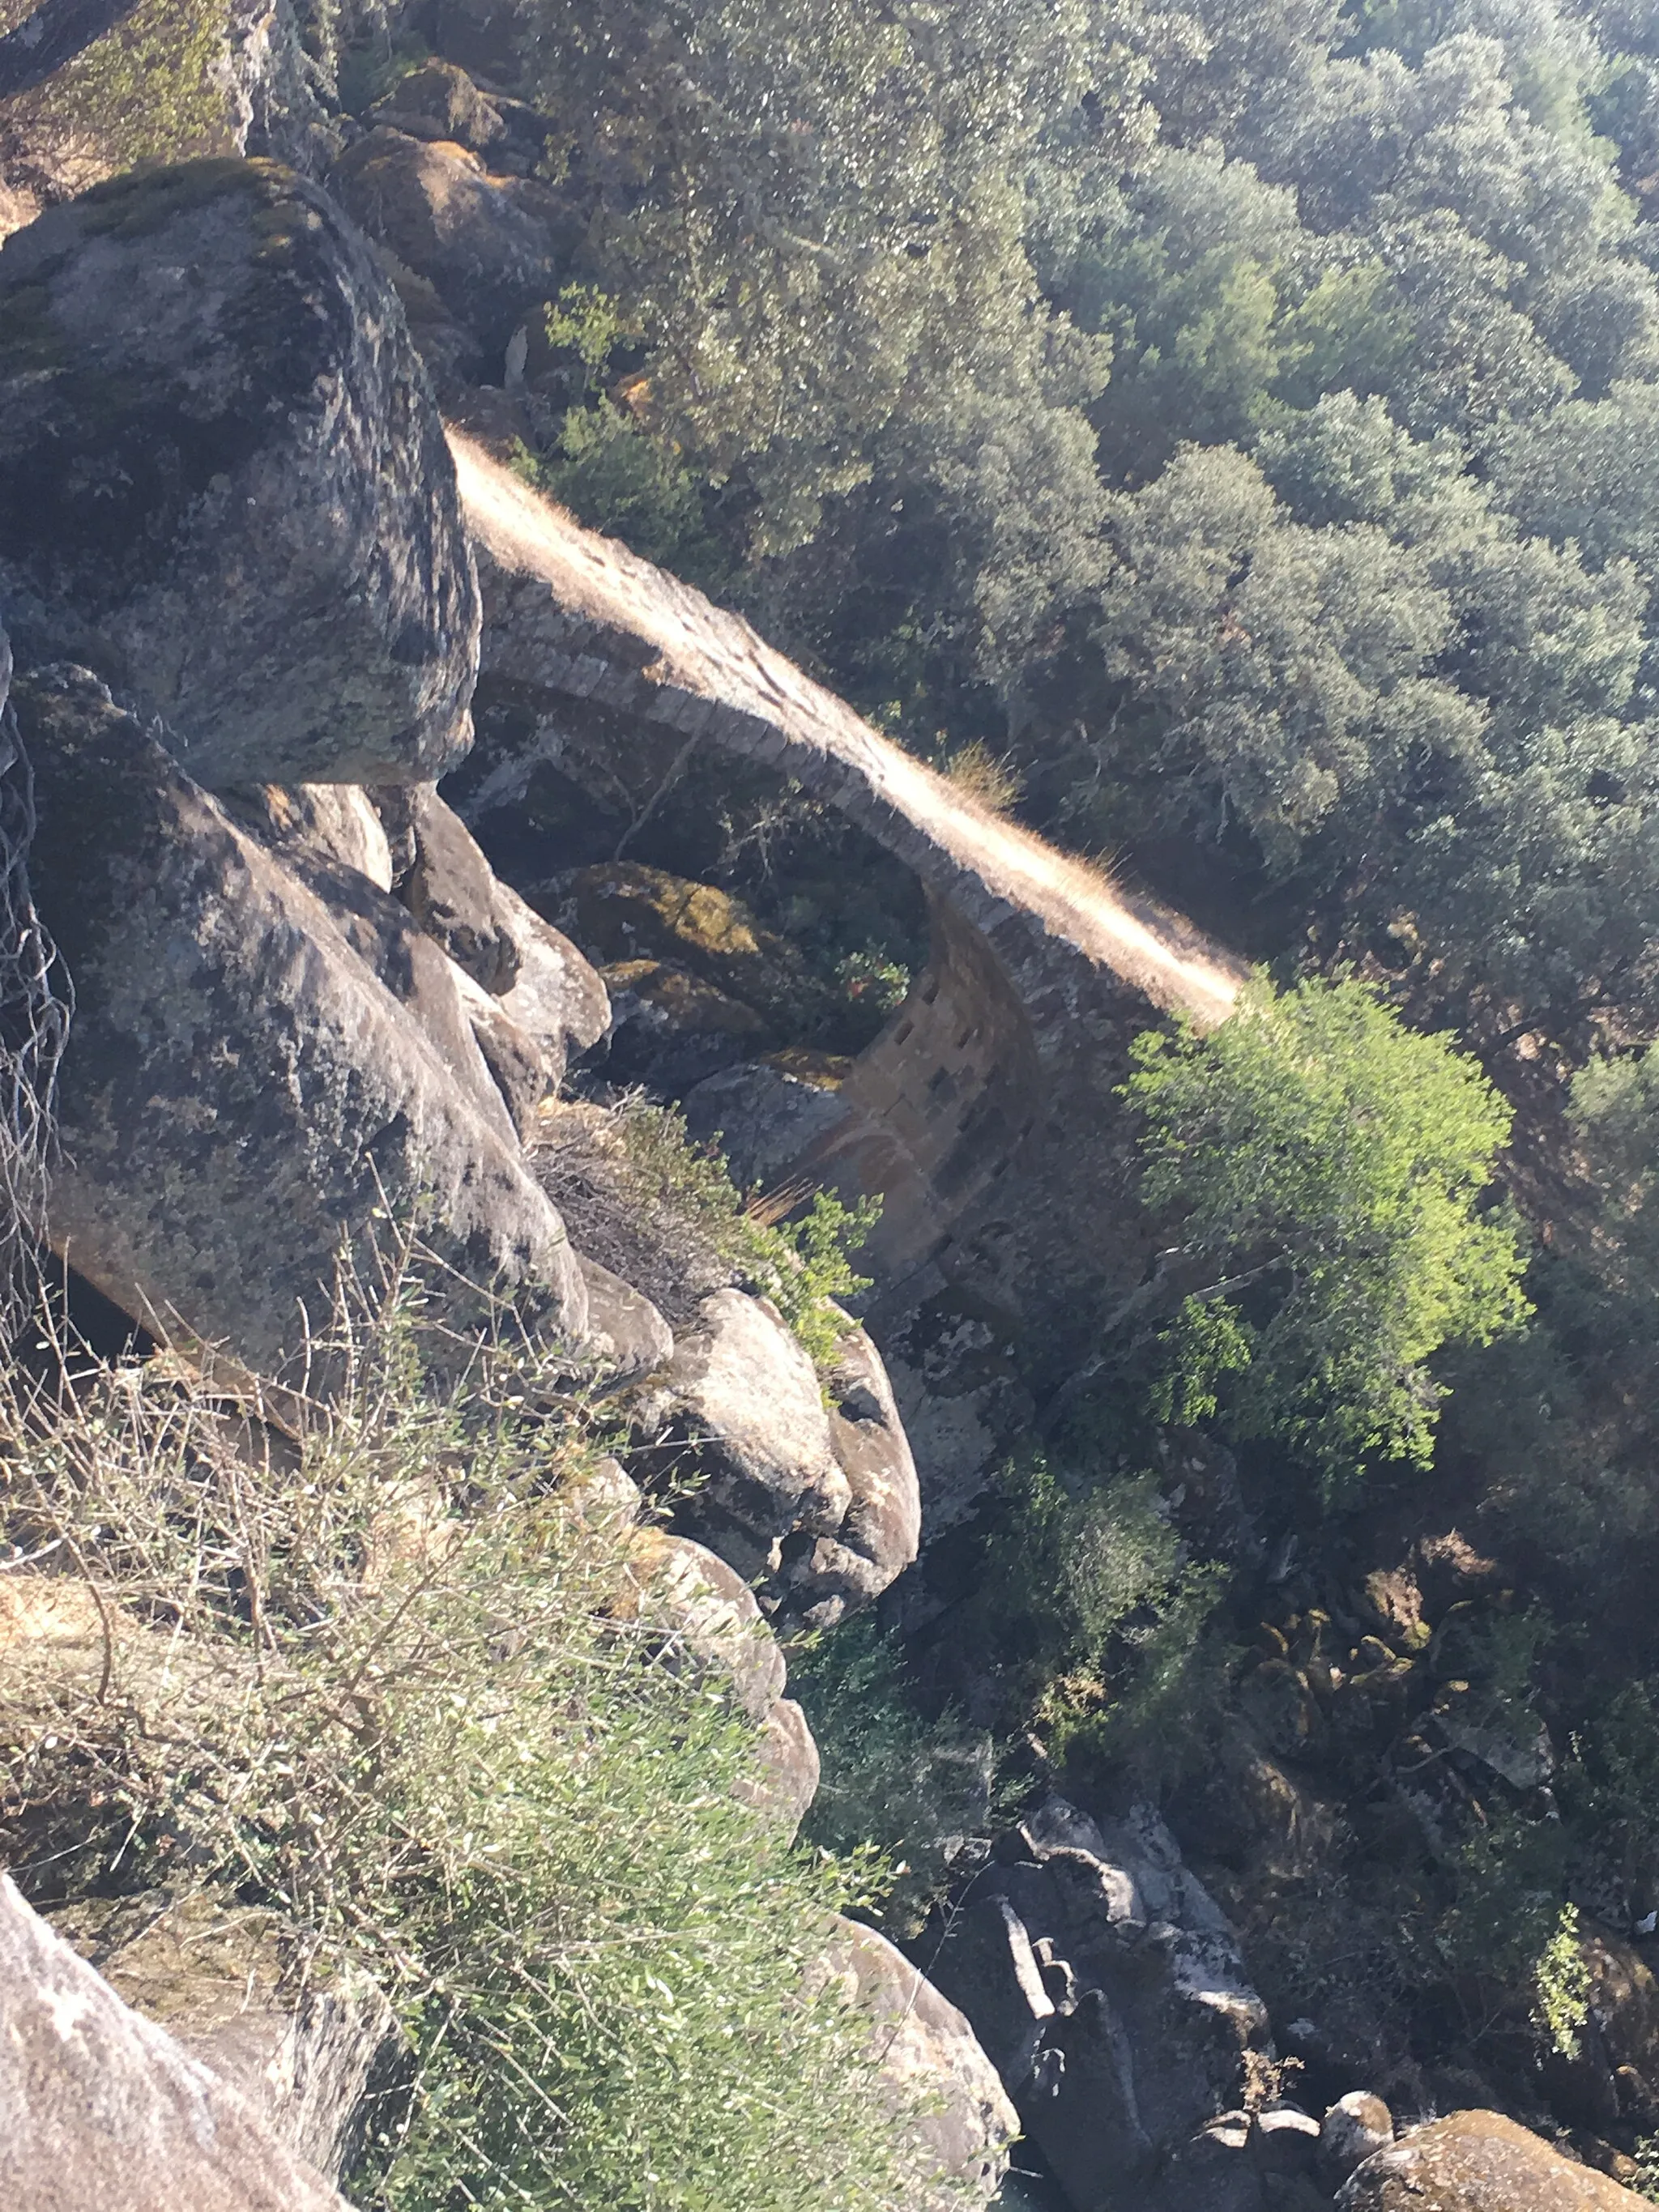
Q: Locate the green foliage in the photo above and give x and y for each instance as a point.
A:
(386, 1681)
(801, 1265)
(149, 90)
(1320, 1166)
(1562, 1978)
(616, 477)
(1098, 1627)
(918, 1790)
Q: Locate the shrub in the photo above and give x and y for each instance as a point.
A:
(1318, 1165)
(374, 1672)
(924, 1792)
(642, 1197)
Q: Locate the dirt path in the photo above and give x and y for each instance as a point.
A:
(683, 639)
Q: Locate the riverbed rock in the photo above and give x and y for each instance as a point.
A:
(1478, 2162)
(1108, 1988)
(934, 2060)
(1355, 2128)
(223, 481)
(239, 1082)
(103, 2108)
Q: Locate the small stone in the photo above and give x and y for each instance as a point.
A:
(1354, 2127)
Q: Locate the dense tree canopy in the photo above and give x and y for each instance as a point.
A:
(1246, 413)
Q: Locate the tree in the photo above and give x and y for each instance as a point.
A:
(53, 35)
(1320, 1167)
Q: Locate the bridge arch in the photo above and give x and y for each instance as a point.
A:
(984, 1114)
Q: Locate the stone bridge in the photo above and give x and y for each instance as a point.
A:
(984, 1114)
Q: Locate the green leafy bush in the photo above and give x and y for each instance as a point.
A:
(1320, 1166)
(381, 1673)
(663, 1212)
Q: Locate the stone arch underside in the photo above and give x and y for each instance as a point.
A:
(985, 1114)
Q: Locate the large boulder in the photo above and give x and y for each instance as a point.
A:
(103, 2108)
(622, 911)
(242, 1096)
(932, 2057)
(804, 1483)
(738, 1412)
(223, 481)
(827, 1575)
(319, 2065)
(1478, 2162)
(767, 1114)
(470, 235)
(1108, 1990)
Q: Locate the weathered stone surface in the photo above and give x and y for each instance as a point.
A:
(671, 1029)
(502, 1072)
(451, 890)
(1108, 1990)
(766, 1117)
(625, 1332)
(318, 827)
(435, 207)
(826, 1577)
(440, 101)
(622, 911)
(103, 2108)
(739, 1407)
(241, 1095)
(559, 998)
(1354, 2130)
(1478, 2162)
(710, 1618)
(710, 1613)
(931, 2055)
(789, 1765)
(223, 482)
(310, 2064)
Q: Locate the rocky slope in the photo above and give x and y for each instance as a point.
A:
(250, 587)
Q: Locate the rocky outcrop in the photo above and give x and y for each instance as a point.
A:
(766, 1115)
(945, 2084)
(709, 1619)
(880, 1532)
(104, 2108)
(433, 204)
(223, 483)
(319, 2065)
(1108, 1990)
(739, 1412)
(817, 1503)
(1478, 2162)
(242, 1095)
